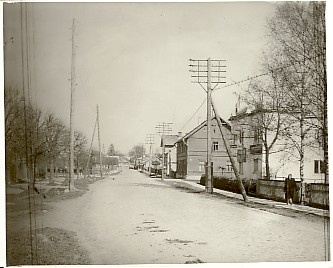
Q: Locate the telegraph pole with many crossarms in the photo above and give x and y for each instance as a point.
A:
(150, 141)
(202, 72)
(162, 129)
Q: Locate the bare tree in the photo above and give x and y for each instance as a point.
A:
(137, 152)
(14, 135)
(298, 43)
(80, 151)
(55, 141)
(269, 120)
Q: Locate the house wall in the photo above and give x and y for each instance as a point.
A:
(246, 145)
(191, 162)
(181, 159)
(171, 164)
(282, 164)
(197, 152)
(286, 160)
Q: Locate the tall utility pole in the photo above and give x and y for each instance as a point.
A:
(99, 146)
(162, 129)
(209, 181)
(90, 150)
(143, 153)
(202, 72)
(150, 142)
(71, 118)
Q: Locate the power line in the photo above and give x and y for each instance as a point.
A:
(244, 80)
(193, 115)
(258, 75)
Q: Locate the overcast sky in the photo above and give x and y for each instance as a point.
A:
(132, 60)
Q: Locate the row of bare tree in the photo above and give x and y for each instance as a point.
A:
(37, 143)
(292, 97)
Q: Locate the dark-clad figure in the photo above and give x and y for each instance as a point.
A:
(289, 188)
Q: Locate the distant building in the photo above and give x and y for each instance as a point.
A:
(170, 155)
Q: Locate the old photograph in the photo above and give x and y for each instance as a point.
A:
(162, 133)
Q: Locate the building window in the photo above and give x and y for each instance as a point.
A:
(255, 166)
(229, 167)
(256, 135)
(215, 146)
(241, 137)
(241, 168)
(241, 155)
(234, 139)
(319, 167)
(202, 166)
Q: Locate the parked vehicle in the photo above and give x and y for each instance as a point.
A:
(156, 169)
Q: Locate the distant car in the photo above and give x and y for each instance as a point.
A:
(156, 169)
(131, 166)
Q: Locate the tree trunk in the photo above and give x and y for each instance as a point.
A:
(51, 180)
(268, 175)
(301, 160)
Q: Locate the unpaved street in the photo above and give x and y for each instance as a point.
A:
(133, 219)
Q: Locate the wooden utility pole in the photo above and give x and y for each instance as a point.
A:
(209, 182)
(142, 150)
(163, 128)
(202, 72)
(150, 142)
(163, 153)
(90, 150)
(227, 147)
(71, 124)
(99, 146)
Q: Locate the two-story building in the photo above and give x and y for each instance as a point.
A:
(247, 143)
(283, 157)
(192, 152)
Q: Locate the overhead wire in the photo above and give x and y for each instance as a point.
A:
(33, 132)
(193, 115)
(26, 135)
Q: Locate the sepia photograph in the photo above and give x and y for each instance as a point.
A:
(165, 133)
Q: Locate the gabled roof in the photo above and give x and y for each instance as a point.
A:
(169, 140)
(204, 123)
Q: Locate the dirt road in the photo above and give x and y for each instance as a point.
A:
(133, 219)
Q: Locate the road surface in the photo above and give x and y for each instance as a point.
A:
(133, 219)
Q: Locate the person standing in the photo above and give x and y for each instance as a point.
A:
(289, 188)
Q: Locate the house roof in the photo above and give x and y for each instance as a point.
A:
(169, 140)
(204, 123)
(245, 113)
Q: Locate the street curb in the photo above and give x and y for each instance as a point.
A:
(259, 201)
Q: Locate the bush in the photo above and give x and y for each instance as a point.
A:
(231, 185)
